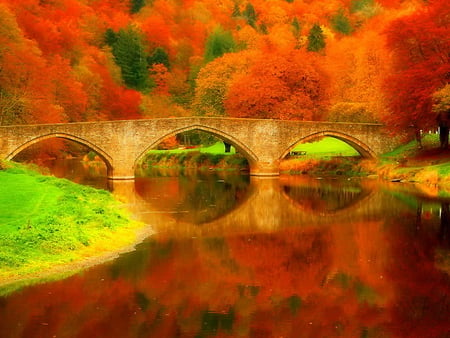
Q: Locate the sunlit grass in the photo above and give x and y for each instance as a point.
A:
(326, 147)
(217, 148)
(45, 221)
(209, 157)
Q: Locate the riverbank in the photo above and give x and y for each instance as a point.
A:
(212, 157)
(428, 165)
(52, 226)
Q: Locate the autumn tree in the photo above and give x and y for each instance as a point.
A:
(27, 80)
(442, 99)
(422, 66)
(214, 80)
(441, 107)
(289, 86)
(359, 65)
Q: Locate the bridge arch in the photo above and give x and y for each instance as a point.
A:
(103, 155)
(358, 145)
(240, 147)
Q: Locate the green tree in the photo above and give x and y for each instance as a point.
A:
(110, 37)
(218, 43)
(236, 11)
(263, 28)
(341, 23)
(159, 56)
(360, 5)
(296, 28)
(316, 39)
(250, 15)
(129, 53)
(136, 5)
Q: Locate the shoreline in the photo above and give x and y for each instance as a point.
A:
(72, 268)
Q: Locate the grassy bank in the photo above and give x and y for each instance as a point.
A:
(407, 163)
(325, 157)
(47, 222)
(212, 157)
(410, 163)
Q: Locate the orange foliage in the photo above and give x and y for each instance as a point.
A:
(65, 39)
(160, 76)
(289, 86)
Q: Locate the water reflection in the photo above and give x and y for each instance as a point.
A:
(444, 233)
(194, 197)
(267, 267)
(91, 173)
(325, 195)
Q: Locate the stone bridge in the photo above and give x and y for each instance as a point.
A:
(264, 142)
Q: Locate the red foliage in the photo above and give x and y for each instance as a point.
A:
(420, 44)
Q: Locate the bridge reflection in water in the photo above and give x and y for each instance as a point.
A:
(260, 204)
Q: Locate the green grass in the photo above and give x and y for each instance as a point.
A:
(210, 157)
(217, 148)
(326, 147)
(46, 221)
(411, 149)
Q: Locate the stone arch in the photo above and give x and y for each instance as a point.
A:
(358, 145)
(104, 156)
(242, 148)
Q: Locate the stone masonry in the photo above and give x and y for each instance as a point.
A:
(264, 142)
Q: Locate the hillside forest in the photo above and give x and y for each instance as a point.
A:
(338, 60)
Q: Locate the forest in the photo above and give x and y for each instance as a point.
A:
(340, 60)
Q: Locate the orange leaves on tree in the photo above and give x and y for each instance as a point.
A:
(160, 75)
(214, 79)
(156, 31)
(289, 86)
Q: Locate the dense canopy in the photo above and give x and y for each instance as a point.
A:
(339, 60)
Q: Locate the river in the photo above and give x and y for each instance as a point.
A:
(235, 256)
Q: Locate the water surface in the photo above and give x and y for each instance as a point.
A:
(240, 257)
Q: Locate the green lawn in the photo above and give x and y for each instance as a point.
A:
(217, 148)
(46, 221)
(326, 147)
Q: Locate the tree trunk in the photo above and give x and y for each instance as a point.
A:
(227, 147)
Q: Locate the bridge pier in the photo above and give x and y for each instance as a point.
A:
(120, 172)
(265, 169)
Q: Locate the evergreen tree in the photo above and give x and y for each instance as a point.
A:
(316, 39)
(159, 56)
(250, 14)
(263, 28)
(341, 23)
(296, 28)
(129, 53)
(359, 5)
(236, 11)
(136, 6)
(218, 43)
(110, 37)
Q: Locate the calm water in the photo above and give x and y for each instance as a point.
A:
(241, 257)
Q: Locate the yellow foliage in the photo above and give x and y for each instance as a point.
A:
(442, 99)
